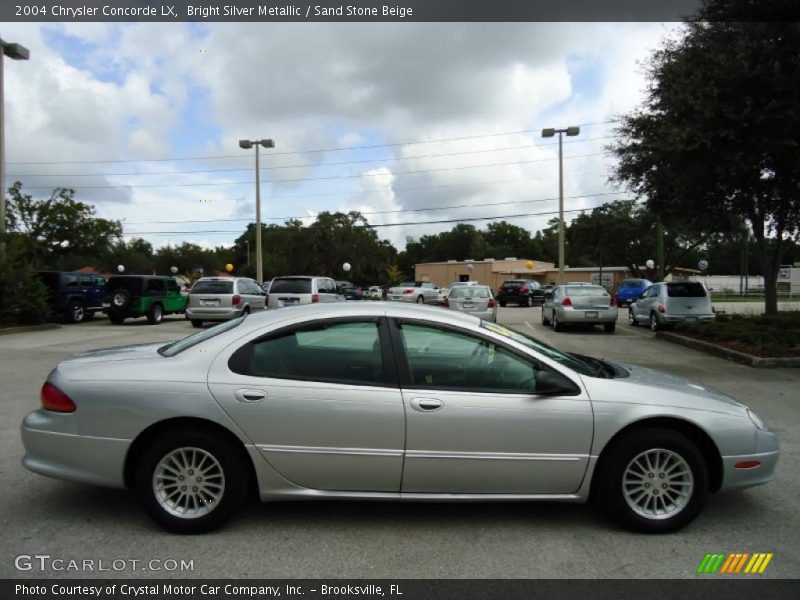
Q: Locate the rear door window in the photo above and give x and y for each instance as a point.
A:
(155, 287)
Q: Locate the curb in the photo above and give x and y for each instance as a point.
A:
(26, 328)
(746, 359)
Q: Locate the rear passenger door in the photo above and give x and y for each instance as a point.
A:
(320, 401)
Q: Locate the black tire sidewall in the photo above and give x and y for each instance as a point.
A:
(613, 466)
(73, 306)
(155, 315)
(232, 465)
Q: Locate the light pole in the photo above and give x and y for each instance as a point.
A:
(16, 52)
(248, 251)
(550, 133)
(247, 144)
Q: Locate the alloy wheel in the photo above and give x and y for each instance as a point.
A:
(657, 484)
(188, 482)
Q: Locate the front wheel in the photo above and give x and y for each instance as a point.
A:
(191, 481)
(197, 323)
(545, 320)
(76, 312)
(653, 480)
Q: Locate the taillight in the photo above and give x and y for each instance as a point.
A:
(613, 301)
(409, 292)
(314, 298)
(445, 303)
(566, 302)
(523, 289)
(390, 291)
(55, 400)
(491, 303)
(236, 299)
(661, 309)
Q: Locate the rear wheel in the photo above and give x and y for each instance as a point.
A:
(420, 299)
(653, 480)
(197, 323)
(155, 315)
(654, 325)
(76, 312)
(609, 327)
(545, 320)
(632, 318)
(191, 481)
(556, 325)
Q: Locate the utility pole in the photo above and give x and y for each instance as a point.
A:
(247, 144)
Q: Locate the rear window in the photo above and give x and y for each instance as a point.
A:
(689, 289)
(512, 284)
(290, 286)
(213, 287)
(469, 291)
(187, 342)
(410, 284)
(132, 284)
(632, 283)
(586, 290)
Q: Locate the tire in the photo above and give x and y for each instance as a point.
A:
(76, 312)
(246, 311)
(221, 489)
(654, 325)
(420, 299)
(155, 315)
(545, 321)
(528, 302)
(503, 303)
(116, 319)
(634, 509)
(556, 325)
(632, 319)
(197, 323)
(609, 327)
(120, 299)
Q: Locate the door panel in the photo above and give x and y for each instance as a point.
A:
(483, 441)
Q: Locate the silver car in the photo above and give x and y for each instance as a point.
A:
(580, 303)
(667, 303)
(475, 300)
(418, 292)
(223, 298)
(301, 289)
(376, 400)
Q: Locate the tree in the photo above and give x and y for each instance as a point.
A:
(717, 140)
(395, 275)
(23, 298)
(58, 226)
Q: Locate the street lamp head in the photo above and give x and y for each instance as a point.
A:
(16, 51)
(246, 144)
(548, 132)
(573, 130)
(267, 143)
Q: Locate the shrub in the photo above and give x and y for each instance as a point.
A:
(23, 298)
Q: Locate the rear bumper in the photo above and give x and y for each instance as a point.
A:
(213, 314)
(685, 318)
(62, 455)
(576, 315)
(402, 298)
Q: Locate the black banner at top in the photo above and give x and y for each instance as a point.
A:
(356, 10)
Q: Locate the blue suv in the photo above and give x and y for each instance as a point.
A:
(630, 289)
(73, 296)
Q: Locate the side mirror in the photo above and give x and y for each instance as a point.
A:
(552, 384)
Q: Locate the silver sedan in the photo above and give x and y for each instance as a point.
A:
(476, 300)
(388, 401)
(582, 303)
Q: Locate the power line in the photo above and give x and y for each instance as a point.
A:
(311, 165)
(337, 149)
(384, 212)
(327, 178)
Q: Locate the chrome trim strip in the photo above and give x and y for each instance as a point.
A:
(330, 450)
(494, 455)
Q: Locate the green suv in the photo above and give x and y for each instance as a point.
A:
(143, 295)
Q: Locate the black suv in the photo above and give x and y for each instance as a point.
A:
(525, 292)
(349, 291)
(143, 295)
(73, 296)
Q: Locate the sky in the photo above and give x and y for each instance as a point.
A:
(406, 122)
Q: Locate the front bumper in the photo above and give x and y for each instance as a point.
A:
(51, 450)
(568, 314)
(766, 455)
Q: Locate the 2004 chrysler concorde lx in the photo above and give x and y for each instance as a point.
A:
(388, 401)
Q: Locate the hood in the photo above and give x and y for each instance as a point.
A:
(120, 353)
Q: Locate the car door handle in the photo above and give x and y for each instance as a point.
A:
(250, 396)
(426, 404)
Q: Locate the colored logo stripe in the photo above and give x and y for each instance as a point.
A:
(734, 563)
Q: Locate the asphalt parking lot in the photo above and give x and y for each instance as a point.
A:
(394, 540)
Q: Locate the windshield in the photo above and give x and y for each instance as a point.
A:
(567, 360)
(174, 348)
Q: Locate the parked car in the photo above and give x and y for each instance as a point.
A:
(666, 303)
(223, 298)
(421, 292)
(151, 296)
(302, 289)
(369, 401)
(73, 296)
(476, 300)
(442, 295)
(523, 292)
(588, 304)
(349, 291)
(630, 289)
(375, 292)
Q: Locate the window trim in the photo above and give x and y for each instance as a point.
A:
(404, 369)
(242, 355)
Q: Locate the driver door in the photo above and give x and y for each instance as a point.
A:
(474, 423)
